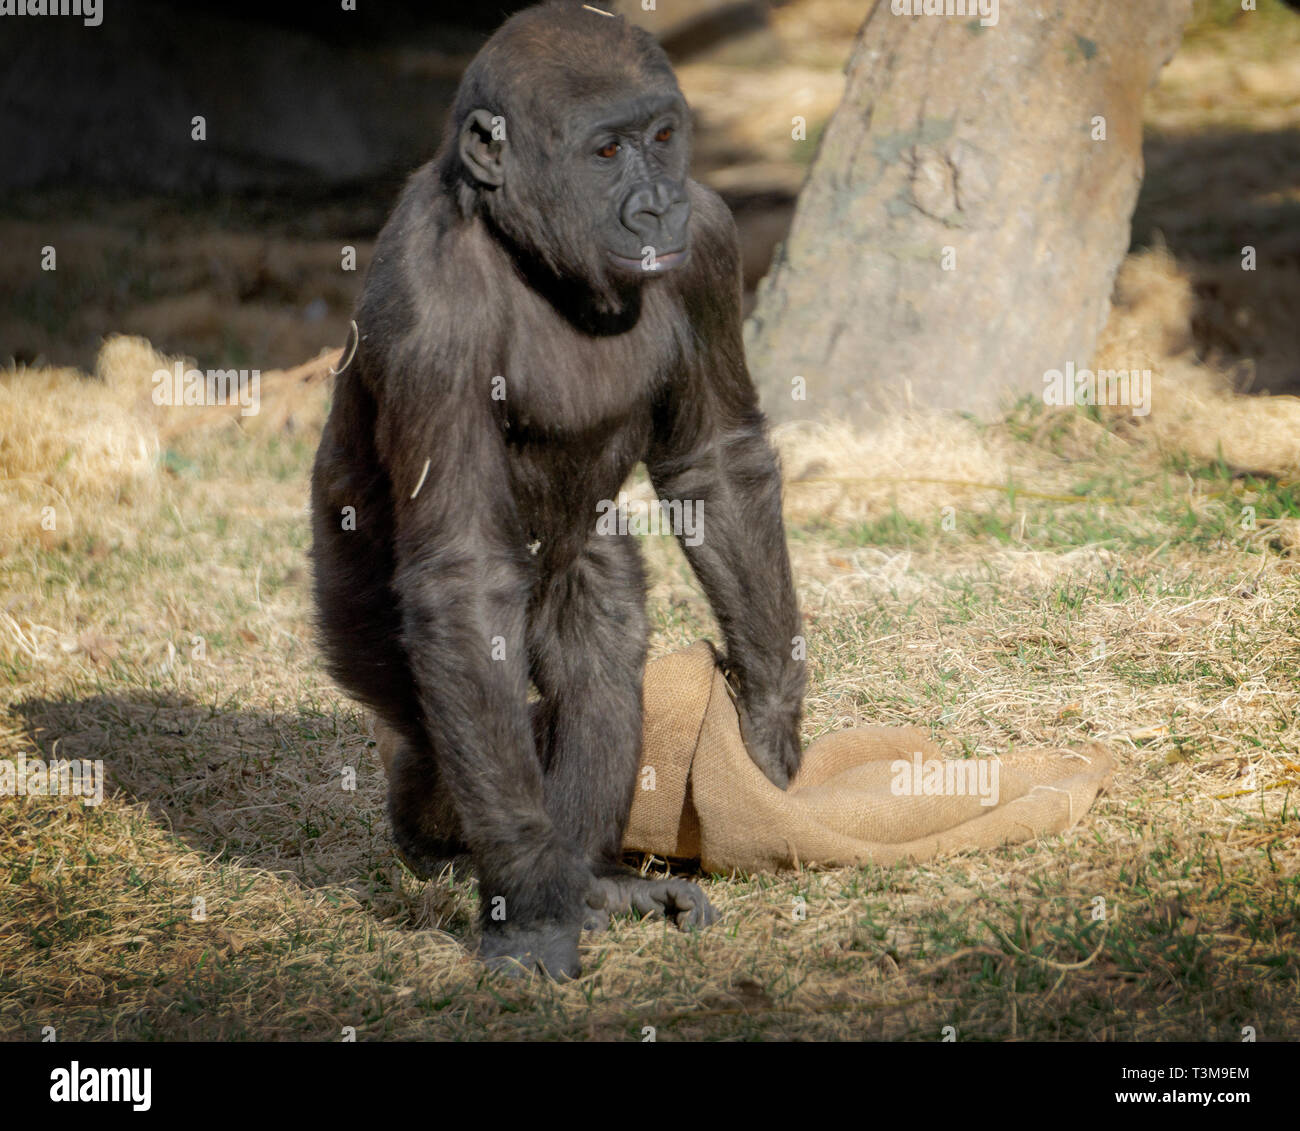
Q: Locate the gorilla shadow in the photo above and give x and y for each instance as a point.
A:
(264, 788)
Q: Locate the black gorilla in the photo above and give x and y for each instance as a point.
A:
(552, 301)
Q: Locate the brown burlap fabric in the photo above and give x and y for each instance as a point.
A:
(699, 797)
(706, 800)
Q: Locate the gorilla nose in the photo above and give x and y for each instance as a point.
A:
(657, 214)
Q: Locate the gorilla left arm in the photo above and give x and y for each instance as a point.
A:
(710, 449)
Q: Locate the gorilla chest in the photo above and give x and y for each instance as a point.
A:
(575, 410)
(560, 481)
(571, 389)
(555, 380)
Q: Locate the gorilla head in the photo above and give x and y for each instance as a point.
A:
(578, 157)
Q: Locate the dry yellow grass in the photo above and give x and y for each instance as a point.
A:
(1195, 408)
(68, 443)
(226, 770)
(1112, 599)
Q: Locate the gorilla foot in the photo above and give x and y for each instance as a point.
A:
(429, 866)
(428, 856)
(679, 900)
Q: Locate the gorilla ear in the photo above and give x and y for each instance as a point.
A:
(483, 147)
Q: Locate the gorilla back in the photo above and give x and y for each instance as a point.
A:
(552, 301)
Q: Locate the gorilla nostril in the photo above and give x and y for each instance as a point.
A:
(654, 208)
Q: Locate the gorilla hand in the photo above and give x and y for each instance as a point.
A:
(541, 948)
(772, 740)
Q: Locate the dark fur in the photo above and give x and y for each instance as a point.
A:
(602, 370)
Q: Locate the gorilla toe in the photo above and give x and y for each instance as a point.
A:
(679, 900)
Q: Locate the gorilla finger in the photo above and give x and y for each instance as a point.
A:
(649, 899)
(595, 919)
(692, 909)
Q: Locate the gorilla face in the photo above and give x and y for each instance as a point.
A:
(584, 166)
(634, 160)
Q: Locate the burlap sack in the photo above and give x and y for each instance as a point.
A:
(700, 797)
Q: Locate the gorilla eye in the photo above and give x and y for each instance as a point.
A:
(664, 134)
(609, 150)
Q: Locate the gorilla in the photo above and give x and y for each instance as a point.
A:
(552, 301)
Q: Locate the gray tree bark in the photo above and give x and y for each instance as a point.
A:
(965, 214)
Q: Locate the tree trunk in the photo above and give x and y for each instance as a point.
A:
(967, 209)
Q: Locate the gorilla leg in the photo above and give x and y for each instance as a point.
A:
(360, 627)
(588, 645)
(425, 825)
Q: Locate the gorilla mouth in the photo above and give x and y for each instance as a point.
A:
(665, 262)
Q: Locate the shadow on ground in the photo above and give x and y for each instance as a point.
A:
(298, 793)
(1208, 197)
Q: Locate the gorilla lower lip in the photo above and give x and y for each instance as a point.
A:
(660, 262)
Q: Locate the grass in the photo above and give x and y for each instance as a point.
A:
(1151, 622)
